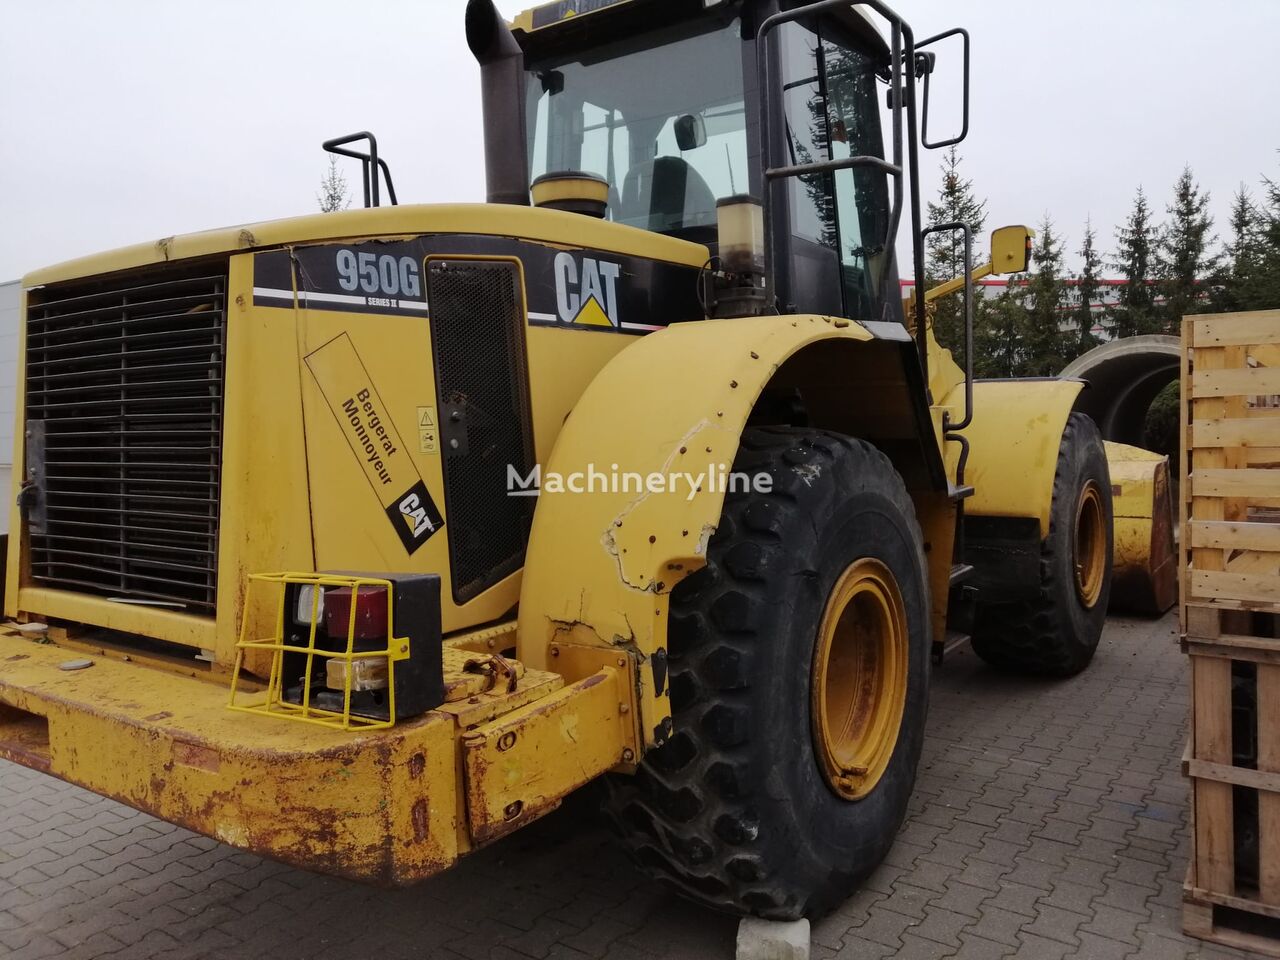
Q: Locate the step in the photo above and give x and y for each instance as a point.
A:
(953, 640)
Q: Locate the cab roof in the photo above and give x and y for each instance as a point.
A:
(565, 12)
(558, 11)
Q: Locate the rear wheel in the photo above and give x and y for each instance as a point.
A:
(799, 687)
(1055, 631)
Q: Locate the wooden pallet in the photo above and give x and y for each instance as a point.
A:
(1235, 748)
(1231, 460)
(1232, 894)
(1233, 923)
(1230, 617)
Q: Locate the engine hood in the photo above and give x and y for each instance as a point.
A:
(547, 226)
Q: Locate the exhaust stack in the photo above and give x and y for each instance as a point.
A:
(502, 88)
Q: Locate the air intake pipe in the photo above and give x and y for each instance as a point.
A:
(502, 90)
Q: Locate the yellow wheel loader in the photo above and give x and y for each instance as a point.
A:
(360, 540)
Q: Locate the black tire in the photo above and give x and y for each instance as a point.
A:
(1054, 633)
(734, 811)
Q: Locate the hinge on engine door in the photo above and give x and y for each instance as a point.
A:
(31, 496)
(453, 426)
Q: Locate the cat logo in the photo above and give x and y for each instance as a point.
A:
(415, 516)
(587, 294)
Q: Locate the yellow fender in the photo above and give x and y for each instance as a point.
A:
(1145, 561)
(601, 565)
(1014, 439)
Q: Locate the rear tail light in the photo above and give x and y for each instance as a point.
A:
(370, 615)
(356, 650)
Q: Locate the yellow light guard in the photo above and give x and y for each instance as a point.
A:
(270, 701)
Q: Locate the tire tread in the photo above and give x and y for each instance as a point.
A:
(686, 816)
(1035, 635)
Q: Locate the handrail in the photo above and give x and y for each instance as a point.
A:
(368, 162)
(830, 166)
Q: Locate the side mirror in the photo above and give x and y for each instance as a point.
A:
(925, 63)
(1010, 249)
(552, 81)
(691, 132)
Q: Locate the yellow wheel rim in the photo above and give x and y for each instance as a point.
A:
(859, 685)
(1090, 547)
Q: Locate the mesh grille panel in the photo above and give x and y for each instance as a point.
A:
(124, 423)
(477, 332)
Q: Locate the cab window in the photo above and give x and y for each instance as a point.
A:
(660, 116)
(838, 220)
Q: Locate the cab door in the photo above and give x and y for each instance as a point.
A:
(838, 221)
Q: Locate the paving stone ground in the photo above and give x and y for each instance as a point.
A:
(1049, 820)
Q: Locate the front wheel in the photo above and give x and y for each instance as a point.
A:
(799, 687)
(1055, 631)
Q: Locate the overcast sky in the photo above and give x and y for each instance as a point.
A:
(132, 120)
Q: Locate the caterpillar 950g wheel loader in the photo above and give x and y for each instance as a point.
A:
(276, 574)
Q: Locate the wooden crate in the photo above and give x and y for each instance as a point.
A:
(1230, 616)
(1244, 929)
(1233, 756)
(1232, 893)
(1231, 460)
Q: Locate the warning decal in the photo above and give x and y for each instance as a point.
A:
(427, 435)
(363, 418)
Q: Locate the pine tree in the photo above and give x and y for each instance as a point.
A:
(1241, 254)
(333, 193)
(1184, 257)
(999, 325)
(956, 203)
(1088, 285)
(1133, 313)
(1042, 338)
(1260, 287)
(1244, 223)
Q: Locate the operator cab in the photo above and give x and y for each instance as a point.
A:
(659, 98)
(660, 116)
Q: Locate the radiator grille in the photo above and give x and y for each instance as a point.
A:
(124, 424)
(477, 332)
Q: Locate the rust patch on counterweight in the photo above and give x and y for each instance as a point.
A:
(417, 764)
(196, 755)
(421, 817)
